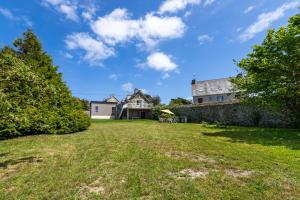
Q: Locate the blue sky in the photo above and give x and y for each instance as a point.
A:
(105, 47)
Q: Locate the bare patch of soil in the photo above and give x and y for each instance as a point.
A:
(238, 173)
(10, 166)
(94, 187)
(190, 173)
(204, 172)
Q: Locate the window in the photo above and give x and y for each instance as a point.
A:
(139, 102)
(96, 109)
(200, 100)
(210, 98)
(220, 98)
(113, 109)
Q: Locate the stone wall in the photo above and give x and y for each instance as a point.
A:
(235, 114)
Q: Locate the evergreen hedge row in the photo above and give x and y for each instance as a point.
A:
(33, 97)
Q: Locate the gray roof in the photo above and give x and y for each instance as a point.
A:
(102, 102)
(213, 87)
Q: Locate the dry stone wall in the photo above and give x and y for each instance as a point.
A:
(236, 114)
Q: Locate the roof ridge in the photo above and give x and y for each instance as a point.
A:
(213, 79)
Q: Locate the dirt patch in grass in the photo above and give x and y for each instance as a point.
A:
(191, 156)
(237, 173)
(95, 188)
(10, 166)
(190, 173)
(204, 172)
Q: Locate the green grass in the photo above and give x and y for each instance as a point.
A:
(144, 160)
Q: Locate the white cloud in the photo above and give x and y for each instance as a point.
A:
(208, 2)
(205, 38)
(127, 87)
(114, 76)
(66, 7)
(88, 13)
(69, 11)
(265, 20)
(166, 76)
(54, 2)
(156, 28)
(172, 6)
(161, 62)
(27, 21)
(187, 14)
(68, 55)
(144, 91)
(95, 50)
(118, 27)
(9, 15)
(249, 9)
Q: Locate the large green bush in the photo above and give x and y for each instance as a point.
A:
(156, 110)
(33, 97)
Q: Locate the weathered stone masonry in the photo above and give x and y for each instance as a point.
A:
(236, 114)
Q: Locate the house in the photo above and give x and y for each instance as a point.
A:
(135, 106)
(213, 91)
(104, 109)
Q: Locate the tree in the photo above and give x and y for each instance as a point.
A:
(156, 110)
(179, 101)
(156, 100)
(34, 98)
(85, 104)
(270, 75)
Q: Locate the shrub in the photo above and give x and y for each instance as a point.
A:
(167, 115)
(156, 110)
(33, 97)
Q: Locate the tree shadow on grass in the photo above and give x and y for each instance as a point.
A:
(263, 136)
(3, 154)
(5, 164)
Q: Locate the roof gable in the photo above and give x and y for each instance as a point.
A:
(138, 94)
(112, 99)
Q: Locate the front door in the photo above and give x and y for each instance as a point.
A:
(143, 115)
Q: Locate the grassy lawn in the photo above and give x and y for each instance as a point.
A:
(149, 160)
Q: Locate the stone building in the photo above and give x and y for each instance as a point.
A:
(213, 91)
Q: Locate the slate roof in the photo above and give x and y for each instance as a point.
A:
(108, 100)
(213, 87)
(103, 102)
